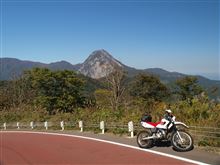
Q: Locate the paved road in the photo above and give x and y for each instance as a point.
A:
(20, 148)
(196, 154)
(31, 148)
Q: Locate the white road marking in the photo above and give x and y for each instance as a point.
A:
(115, 143)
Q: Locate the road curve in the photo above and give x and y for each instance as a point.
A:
(32, 148)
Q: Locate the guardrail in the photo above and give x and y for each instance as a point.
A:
(209, 132)
(201, 135)
(62, 125)
(206, 136)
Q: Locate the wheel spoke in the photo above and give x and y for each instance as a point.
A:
(144, 143)
(182, 140)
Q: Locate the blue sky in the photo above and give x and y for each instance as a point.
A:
(178, 35)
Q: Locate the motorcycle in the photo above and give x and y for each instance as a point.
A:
(166, 130)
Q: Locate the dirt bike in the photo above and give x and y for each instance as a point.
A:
(165, 130)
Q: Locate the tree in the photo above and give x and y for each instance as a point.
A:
(102, 98)
(116, 85)
(14, 93)
(5, 95)
(58, 90)
(148, 88)
(188, 87)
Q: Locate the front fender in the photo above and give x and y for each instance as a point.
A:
(180, 124)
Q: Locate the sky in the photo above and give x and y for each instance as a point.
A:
(176, 35)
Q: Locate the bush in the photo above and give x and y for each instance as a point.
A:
(203, 143)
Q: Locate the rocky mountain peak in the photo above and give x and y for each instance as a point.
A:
(99, 64)
(99, 54)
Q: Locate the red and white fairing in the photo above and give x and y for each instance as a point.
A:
(162, 124)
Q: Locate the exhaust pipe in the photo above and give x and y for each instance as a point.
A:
(150, 137)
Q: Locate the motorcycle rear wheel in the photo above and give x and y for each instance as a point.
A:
(144, 143)
(185, 145)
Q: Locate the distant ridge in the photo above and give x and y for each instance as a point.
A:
(12, 68)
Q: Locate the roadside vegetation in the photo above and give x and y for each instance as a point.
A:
(45, 95)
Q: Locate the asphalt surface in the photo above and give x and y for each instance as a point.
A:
(196, 154)
(20, 148)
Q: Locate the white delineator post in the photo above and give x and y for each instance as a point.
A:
(5, 126)
(102, 126)
(81, 126)
(62, 125)
(46, 125)
(131, 128)
(32, 125)
(18, 125)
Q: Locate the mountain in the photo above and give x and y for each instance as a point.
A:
(99, 64)
(170, 77)
(166, 77)
(62, 65)
(12, 68)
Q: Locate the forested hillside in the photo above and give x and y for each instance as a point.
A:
(41, 94)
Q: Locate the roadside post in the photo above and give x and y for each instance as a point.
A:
(32, 125)
(81, 126)
(62, 125)
(102, 127)
(131, 128)
(18, 125)
(5, 126)
(46, 125)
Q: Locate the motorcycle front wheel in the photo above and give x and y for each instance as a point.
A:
(142, 142)
(182, 141)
